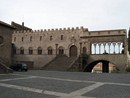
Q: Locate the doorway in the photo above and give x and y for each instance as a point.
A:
(73, 51)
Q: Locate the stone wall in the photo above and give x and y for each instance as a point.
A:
(120, 61)
(37, 61)
(6, 45)
(60, 38)
(63, 38)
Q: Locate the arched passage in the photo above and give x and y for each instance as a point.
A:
(105, 66)
(73, 51)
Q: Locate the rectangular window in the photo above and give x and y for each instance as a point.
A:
(40, 38)
(22, 39)
(30, 38)
(50, 38)
(14, 39)
(62, 37)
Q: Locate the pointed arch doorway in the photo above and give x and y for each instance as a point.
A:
(73, 51)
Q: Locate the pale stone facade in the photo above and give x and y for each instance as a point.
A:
(60, 39)
(39, 47)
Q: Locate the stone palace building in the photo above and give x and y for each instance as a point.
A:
(61, 49)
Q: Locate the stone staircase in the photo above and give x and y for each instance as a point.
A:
(3, 68)
(60, 63)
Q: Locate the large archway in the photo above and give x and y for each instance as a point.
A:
(73, 51)
(100, 65)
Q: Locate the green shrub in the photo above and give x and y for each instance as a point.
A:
(116, 70)
(128, 69)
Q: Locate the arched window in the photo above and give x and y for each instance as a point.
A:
(30, 50)
(21, 50)
(50, 51)
(39, 50)
(61, 51)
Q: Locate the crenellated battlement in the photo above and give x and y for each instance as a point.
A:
(53, 30)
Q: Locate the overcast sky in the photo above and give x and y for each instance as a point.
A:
(44, 14)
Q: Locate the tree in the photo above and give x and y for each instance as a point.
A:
(129, 40)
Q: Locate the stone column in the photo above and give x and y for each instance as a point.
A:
(104, 44)
(56, 48)
(114, 44)
(105, 67)
(125, 46)
(80, 48)
(99, 48)
(109, 44)
(119, 44)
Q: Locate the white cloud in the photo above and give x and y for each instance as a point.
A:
(94, 14)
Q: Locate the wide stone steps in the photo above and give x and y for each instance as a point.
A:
(61, 63)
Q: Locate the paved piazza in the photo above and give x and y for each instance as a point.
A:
(52, 84)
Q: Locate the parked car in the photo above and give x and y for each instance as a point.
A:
(20, 67)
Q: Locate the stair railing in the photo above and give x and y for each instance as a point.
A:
(73, 64)
(4, 68)
(4, 60)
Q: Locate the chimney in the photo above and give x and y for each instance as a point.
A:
(22, 26)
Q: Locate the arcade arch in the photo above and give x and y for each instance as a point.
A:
(107, 47)
(103, 66)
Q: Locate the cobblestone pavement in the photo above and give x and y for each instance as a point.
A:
(52, 84)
